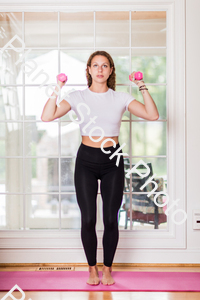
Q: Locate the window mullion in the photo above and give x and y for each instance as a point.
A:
(130, 116)
(59, 133)
(25, 210)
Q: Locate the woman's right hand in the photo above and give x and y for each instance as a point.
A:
(60, 83)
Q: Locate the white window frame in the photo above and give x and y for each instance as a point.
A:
(175, 236)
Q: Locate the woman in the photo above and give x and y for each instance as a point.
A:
(93, 160)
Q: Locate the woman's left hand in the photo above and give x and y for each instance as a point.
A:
(135, 81)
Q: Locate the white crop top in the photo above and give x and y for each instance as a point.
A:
(101, 110)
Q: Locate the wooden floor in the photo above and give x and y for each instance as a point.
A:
(109, 295)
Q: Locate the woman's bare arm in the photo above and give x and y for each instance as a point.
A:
(51, 111)
(148, 110)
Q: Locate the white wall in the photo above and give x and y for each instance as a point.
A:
(192, 118)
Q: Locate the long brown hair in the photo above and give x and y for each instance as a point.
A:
(111, 81)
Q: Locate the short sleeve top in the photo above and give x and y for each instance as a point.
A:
(99, 113)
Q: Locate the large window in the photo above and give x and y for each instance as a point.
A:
(37, 159)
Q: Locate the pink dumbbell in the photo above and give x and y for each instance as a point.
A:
(137, 75)
(62, 77)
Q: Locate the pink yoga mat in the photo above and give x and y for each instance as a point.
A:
(124, 281)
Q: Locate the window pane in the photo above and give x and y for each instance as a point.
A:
(148, 28)
(41, 29)
(43, 69)
(151, 62)
(10, 67)
(11, 175)
(121, 60)
(11, 139)
(11, 24)
(70, 212)
(70, 138)
(11, 212)
(35, 100)
(149, 138)
(11, 103)
(124, 211)
(41, 175)
(76, 29)
(112, 29)
(67, 174)
(157, 165)
(124, 137)
(41, 138)
(73, 64)
(158, 94)
(146, 214)
(144, 210)
(42, 211)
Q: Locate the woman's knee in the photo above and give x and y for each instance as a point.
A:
(110, 222)
(88, 223)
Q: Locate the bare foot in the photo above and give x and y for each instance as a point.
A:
(107, 278)
(94, 276)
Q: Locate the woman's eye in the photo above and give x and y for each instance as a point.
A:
(104, 65)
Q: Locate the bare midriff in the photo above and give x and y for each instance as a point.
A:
(87, 141)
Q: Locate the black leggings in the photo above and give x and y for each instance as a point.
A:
(92, 164)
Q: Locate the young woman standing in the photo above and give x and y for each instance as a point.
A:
(93, 160)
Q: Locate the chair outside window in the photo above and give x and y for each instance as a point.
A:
(144, 210)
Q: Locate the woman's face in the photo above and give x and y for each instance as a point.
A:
(100, 68)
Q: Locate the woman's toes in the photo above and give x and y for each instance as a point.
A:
(94, 278)
(93, 281)
(107, 279)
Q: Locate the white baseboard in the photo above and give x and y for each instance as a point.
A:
(78, 256)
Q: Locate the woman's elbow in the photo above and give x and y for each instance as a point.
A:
(155, 118)
(44, 120)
